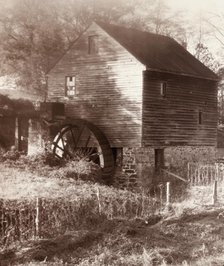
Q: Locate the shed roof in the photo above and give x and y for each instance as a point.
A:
(158, 52)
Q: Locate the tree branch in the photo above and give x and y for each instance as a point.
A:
(13, 37)
(219, 40)
(215, 27)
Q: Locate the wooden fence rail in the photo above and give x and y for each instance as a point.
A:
(205, 174)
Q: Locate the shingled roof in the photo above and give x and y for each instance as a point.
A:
(158, 52)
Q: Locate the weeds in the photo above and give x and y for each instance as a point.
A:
(127, 236)
(46, 164)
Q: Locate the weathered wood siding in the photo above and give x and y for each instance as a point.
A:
(173, 120)
(109, 87)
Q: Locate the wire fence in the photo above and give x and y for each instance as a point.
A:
(17, 221)
(21, 220)
(47, 218)
(200, 174)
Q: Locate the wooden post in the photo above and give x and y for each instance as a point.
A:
(214, 196)
(159, 159)
(161, 193)
(98, 198)
(188, 172)
(17, 136)
(37, 220)
(168, 194)
(159, 165)
(217, 171)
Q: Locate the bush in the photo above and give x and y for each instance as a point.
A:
(11, 155)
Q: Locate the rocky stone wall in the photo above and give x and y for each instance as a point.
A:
(135, 166)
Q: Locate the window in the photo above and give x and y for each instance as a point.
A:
(70, 89)
(200, 117)
(93, 44)
(163, 89)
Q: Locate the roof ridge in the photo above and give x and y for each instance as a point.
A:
(130, 28)
(155, 51)
(158, 51)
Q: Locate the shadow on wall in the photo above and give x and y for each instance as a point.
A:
(109, 90)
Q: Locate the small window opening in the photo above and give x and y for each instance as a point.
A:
(163, 89)
(200, 117)
(70, 86)
(93, 44)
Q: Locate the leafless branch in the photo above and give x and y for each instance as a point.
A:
(218, 39)
(13, 37)
(215, 27)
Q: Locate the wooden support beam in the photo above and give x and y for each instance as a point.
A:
(159, 159)
(175, 175)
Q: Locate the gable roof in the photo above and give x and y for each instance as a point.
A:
(158, 52)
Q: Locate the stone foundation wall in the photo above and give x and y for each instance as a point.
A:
(136, 169)
(135, 166)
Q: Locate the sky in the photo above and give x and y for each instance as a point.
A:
(212, 9)
(196, 6)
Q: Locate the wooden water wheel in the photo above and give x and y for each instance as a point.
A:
(80, 139)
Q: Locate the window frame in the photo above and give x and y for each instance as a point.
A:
(163, 89)
(200, 117)
(70, 78)
(92, 44)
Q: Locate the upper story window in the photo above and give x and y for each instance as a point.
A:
(163, 89)
(200, 117)
(93, 44)
(70, 88)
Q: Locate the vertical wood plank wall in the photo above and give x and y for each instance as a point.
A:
(109, 88)
(173, 119)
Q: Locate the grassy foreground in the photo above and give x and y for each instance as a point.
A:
(134, 233)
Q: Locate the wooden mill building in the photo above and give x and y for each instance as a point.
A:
(144, 91)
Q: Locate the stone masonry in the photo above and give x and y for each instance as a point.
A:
(135, 167)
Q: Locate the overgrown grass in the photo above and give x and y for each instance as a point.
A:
(111, 226)
(16, 184)
(46, 164)
(192, 241)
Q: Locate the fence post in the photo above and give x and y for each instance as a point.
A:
(98, 198)
(217, 171)
(37, 220)
(168, 195)
(188, 172)
(161, 194)
(214, 196)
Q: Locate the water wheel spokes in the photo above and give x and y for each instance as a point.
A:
(84, 141)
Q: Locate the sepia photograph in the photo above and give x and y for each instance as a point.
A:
(112, 132)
